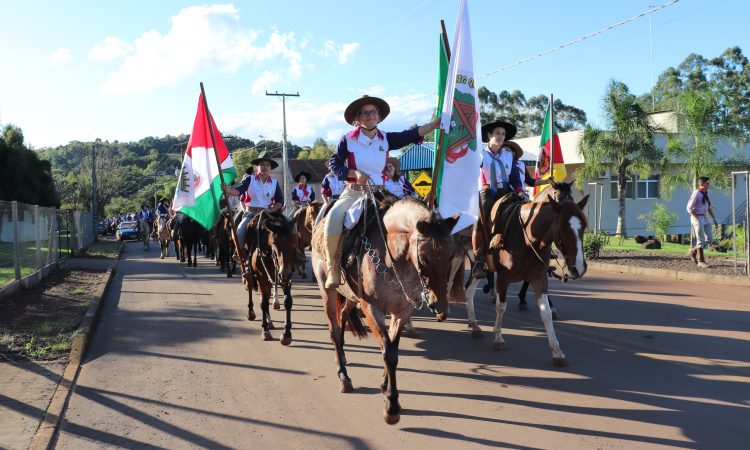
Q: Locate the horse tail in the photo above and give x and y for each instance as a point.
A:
(354, 324)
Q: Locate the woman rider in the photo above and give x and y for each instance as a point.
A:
(302, 193)
(360, 158)
(396, 183)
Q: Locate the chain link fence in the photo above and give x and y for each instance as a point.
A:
(33, 238)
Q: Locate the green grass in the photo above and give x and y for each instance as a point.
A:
(49, 328)
(44, 348)
(28, 258)
(80, 290)
(666, 248)
(101, 249)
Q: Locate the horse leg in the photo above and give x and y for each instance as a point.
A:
(276, 304)
(500, 305)
(489, 288)
(476, 331)
(286, 338)
(409, 330)
(265, 313)
(250, 310)
(331, 306)
(522, 306)
(552, 308)
(540, 288)
(389, 348)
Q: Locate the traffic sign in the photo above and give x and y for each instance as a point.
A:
(422, 184)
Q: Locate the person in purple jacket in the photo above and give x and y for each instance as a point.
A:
(360, 158)
(698, 206)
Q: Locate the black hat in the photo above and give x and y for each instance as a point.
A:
(306, 174)
(263, 157)
(350, 113)
(510, 129)
(163, 199)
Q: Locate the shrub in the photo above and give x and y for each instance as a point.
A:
(593, 243)
(660, 219)
(728, 240)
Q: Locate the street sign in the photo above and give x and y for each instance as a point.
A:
(422, 184)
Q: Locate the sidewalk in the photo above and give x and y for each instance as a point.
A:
(28, 387)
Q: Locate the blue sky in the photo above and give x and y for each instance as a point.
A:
(80, 70)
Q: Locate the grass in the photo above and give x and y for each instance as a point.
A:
(44, 348)
(80, 290)
(101, 249)
(28, 258)
(666, 248)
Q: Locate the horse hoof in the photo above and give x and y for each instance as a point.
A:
(162, 256)
(523, 306)
(267, 336)
(286, 339)
(271, 326)
(477, 333)
(560, 362)
(411, 333)
(499, 346)
(346, 386)
(251, 315)
(276, 306)
(391, 419)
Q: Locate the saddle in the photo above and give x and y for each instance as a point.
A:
(503, 212)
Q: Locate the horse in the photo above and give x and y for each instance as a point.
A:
(222, 232)
(189, 232)
(403, 264)
(144, 230)
(162, 231)
(304, 219)
(269, 242)
(524, 256)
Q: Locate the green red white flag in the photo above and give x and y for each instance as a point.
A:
(549, 139)
(461, 157)
(199, 185)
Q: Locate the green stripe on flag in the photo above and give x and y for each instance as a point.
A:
(440, 152)
(206, 208)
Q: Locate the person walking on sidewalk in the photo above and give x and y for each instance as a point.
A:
(698, 207)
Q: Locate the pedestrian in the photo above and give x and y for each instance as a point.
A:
(360, 158)
(498, 176)
(396, 183)
(698, 206)
(302, 193)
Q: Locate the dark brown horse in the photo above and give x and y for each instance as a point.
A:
(412, 271)
(304, 219)
(269, 242)
(525, 254)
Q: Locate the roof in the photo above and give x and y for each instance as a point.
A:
(316, 167)
(418, 157)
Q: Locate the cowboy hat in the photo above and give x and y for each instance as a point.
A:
(350, 113)
(510, 129)
(302, 172)
(263, 157)
(515, 148)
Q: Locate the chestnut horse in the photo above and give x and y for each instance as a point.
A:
(525, 254)
(404, 263)
(269, 242)
(304, 218)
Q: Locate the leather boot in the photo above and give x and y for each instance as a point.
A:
(693, 255)
(333, 279)
(478, 270)
(701, 260)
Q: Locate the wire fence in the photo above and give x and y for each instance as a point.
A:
(33, 237)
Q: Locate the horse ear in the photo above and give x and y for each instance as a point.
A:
(584, 200)
(451, 222)
(553, 203)
(424, 227)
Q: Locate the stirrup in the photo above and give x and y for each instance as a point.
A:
(478, 270)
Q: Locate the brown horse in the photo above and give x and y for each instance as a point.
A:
(404, 264)
(304, 218)
(525, 254)
(269, 242)
(162, 231)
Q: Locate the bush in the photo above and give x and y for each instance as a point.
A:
(660, 219)
(593, 243)
(728, 240)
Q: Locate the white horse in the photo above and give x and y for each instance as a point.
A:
(144, 230)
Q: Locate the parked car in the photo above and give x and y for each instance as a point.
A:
(127, 230)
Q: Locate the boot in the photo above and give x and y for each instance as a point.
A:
(478, 270)
(701, 260)
(333, 280)
(693, 255)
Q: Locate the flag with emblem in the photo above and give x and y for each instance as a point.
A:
(549, 140)
(199, 185)
(461, 153)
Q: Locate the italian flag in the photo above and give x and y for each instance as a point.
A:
(199, 185)
(549, 139)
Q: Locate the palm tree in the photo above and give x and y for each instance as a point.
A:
(626, 148)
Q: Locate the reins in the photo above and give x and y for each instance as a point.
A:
(543, 243)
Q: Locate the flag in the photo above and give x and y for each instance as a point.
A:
(459, 169)
(549, 136)
(199, 185)
(442, 75)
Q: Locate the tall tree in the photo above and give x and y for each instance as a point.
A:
(626, 147)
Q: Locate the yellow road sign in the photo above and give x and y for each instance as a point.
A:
(422, 184)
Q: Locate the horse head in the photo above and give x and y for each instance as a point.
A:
(280, 237)
(568, 231)
(431, 251)
(562, 190)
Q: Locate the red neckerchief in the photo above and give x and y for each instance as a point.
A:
(304, 188)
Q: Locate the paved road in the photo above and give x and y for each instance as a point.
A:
(175, 365)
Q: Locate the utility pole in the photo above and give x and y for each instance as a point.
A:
(94, 148)
(284, 155)
(651, 43)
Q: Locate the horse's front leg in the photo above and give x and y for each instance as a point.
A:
(333, 308)
(266, 314)
(476, 331)
(500, 306)
(392, 412)
(250, 310)
(286, 338)
(545, 312)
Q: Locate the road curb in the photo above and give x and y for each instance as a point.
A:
(45, 434)
(742, 281)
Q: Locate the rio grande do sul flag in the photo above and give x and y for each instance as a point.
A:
(460, 123)
(199, 185)
(549, 139)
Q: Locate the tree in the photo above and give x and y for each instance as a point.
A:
(625, 148)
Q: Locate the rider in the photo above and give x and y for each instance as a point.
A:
(332, 186)
(360, 157)
(263, 190)
(396, 183)
(302, 193)
(163, 208)
(145, 213)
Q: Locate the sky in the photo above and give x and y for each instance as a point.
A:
(122, 71)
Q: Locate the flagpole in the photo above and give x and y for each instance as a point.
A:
(221, 175)
(551, 136)
(441, 134)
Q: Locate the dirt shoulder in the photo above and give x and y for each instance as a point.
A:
(658, 260)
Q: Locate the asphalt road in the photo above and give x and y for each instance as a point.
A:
(175, 364)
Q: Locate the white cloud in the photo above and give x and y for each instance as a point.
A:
(60, 55)
(264, 82)
(202, 38)
(346, 51)
(341, 53)
(109, 49)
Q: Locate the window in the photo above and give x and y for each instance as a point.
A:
(613, 188)
(648, 187)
